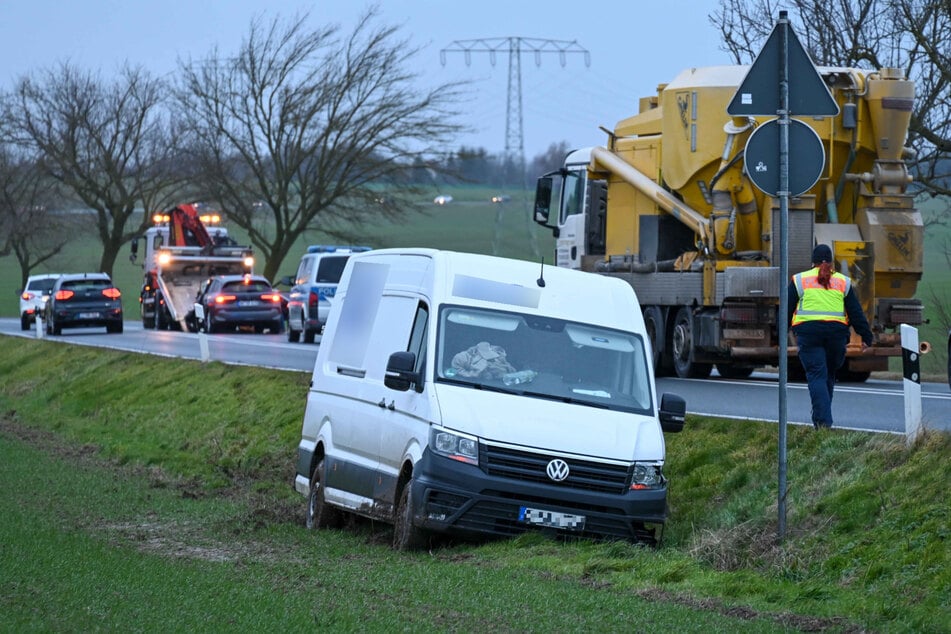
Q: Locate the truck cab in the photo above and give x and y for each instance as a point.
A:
(313, 289)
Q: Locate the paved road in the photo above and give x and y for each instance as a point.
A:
(874, 405)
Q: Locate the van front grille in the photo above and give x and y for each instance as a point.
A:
(525, 466)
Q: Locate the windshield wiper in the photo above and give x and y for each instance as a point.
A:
(563, 399)
(478, 386)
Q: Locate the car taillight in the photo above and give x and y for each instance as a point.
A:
(64, 295)
(223, 299)
(27, 295)
(313, 299)
(276, 297)
(112, 293)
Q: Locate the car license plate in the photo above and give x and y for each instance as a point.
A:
(249, 302)
(553, 519)
(89, 315)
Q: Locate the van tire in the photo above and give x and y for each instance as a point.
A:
(406, 536)
(319, 513)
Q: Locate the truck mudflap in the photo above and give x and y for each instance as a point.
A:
(459, 498)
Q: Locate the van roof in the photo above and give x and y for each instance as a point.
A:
(518, 285)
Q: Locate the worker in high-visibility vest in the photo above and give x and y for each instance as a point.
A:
(822, 306)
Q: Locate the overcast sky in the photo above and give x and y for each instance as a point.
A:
(634, 45)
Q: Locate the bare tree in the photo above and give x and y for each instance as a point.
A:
(31, 232)
(912, 35)
(109, 144)
(305, 129)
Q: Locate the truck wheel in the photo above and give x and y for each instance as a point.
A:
(681, 340)
(148, 322)
(161, 323)
(407, 536)
(654, 324)
(319, 513)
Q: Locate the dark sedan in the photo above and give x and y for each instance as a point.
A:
(83, 300)
(227, 302)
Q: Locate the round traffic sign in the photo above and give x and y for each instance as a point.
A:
(807, 157)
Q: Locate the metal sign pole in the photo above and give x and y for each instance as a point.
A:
(783, 266)
(759, 95)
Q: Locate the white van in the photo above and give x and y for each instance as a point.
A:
(472, 394)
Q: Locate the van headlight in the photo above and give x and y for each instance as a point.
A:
(647, 476)
(455, 446)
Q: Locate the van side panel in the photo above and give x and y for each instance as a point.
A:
(348, 346)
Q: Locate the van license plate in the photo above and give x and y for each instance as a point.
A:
(552, 519)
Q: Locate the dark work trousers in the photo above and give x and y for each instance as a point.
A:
(821, 352)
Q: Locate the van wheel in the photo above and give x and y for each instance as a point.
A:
(319, 513)
(681, 340)
(407, 536)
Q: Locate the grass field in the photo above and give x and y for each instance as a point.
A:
(472, 223)
(152, 494)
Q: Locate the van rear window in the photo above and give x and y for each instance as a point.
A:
(331, 268)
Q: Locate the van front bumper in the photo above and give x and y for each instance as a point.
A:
(451, 496)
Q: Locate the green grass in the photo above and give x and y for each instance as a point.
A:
(155, 494)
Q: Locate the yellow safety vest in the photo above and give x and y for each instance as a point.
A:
(817, 303)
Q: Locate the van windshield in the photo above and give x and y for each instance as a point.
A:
(542, 357)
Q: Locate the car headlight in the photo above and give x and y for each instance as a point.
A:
(455, 446)
(647, 476)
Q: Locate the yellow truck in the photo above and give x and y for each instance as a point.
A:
(668, 205)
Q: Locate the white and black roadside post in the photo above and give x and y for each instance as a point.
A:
(911, 369)
(203, 347)
(39, 325)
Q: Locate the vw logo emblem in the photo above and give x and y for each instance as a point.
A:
(557, 470)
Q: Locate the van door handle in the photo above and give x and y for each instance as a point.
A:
(382, 402)
(391, 406)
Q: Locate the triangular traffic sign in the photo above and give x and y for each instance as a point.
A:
(758, 95)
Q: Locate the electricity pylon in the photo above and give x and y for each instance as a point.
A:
(514, 137)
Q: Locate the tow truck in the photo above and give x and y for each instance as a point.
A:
(184, 247)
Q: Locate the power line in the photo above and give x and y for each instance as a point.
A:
(514, 135)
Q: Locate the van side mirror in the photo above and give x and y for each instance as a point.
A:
(400, 372)
(673, 411)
